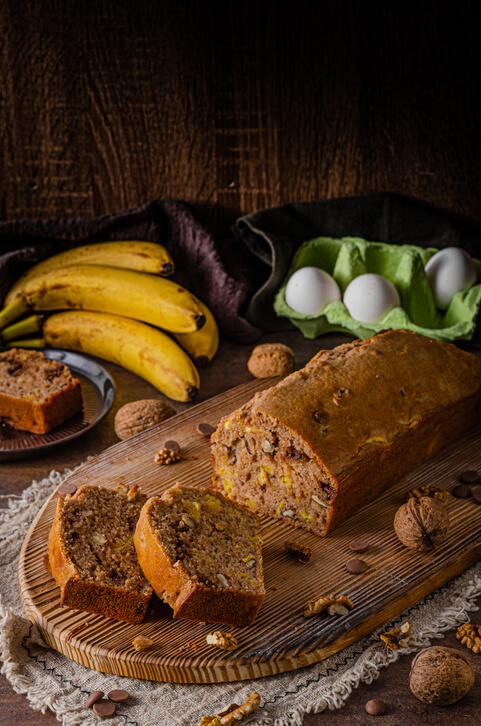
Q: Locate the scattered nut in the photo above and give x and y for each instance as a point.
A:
(421, 524)
(314, 607)
(104, 708)
(470, 636)
(375, 707)
(267, 447)
(225, 641)
(141, 642)
(301, 552)
(222, 580)
(397, 638)
(431, 491)
(440, 675)
(166, 456)
(66, 488)
(138, 416)
(93, 698)
(234, 713)
(271, 359)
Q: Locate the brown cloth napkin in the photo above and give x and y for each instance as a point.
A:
(201, 264)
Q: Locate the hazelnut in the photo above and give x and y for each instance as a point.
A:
(421, 524)
(271, 359)
(440, 675)
(138, 416)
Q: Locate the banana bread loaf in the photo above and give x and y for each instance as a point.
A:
(36, 394)
(202, 555)
(331, 437)
(91, 554)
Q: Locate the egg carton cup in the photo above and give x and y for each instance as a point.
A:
(403, 265)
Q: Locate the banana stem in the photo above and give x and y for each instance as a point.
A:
(32, 324)
(27, 343)
(13, 311)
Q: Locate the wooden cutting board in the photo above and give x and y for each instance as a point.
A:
(280, 639)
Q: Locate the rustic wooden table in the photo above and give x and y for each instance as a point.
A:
(235, 106)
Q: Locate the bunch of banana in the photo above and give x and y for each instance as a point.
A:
(141, 256)
(133, 294)
(119, 302)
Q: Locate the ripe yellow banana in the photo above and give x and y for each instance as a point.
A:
(140, 256)
(114, 290)
(202, 344)
(139, 348)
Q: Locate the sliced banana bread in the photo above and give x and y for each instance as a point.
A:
(202, 555)
(36, 394)
(91, 552)
(331, 437)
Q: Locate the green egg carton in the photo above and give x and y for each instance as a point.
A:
(403, 265)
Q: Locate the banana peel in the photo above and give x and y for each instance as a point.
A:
(131, 344)
(132, 255)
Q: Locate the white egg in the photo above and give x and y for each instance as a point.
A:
(368, 298)
(450, 271)
(310, 289)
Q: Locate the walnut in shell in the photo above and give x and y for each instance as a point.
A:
(138, 416)
(271, 359)
(421, 524)
(440, 675)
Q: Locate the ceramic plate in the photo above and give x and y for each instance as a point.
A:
(98, 390)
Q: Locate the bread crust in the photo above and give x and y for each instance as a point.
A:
(112, 602)
(173, 584)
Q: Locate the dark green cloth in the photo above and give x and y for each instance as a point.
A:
(272, 237)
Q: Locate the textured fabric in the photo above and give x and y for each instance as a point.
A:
(272, 237)
(200, 262)
(50, 680)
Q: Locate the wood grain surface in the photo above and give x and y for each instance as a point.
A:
(280, 639)
(234, 106)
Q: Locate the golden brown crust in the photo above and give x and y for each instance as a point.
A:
(113, 602)
(173, 584)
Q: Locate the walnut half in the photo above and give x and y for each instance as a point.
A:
(334, 604)
(234, 713)
(470, 636)
(397, 638)
(225, 641)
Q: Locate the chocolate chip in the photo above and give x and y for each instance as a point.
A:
(376, 707)
(359, 545)
(205, 429)
(477, 495)
(93, 698)
(172, 445)
(104, 708)
(469, 477)
(461, 491)
(66, 488)
(356, 567)
(118, 696)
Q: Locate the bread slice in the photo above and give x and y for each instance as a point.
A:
(331, 437)
(36, 394)
(202, 555)
(91, 553)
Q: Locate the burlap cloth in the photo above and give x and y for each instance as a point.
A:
(49, 680)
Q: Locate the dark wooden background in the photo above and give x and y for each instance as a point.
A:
(236, 106)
